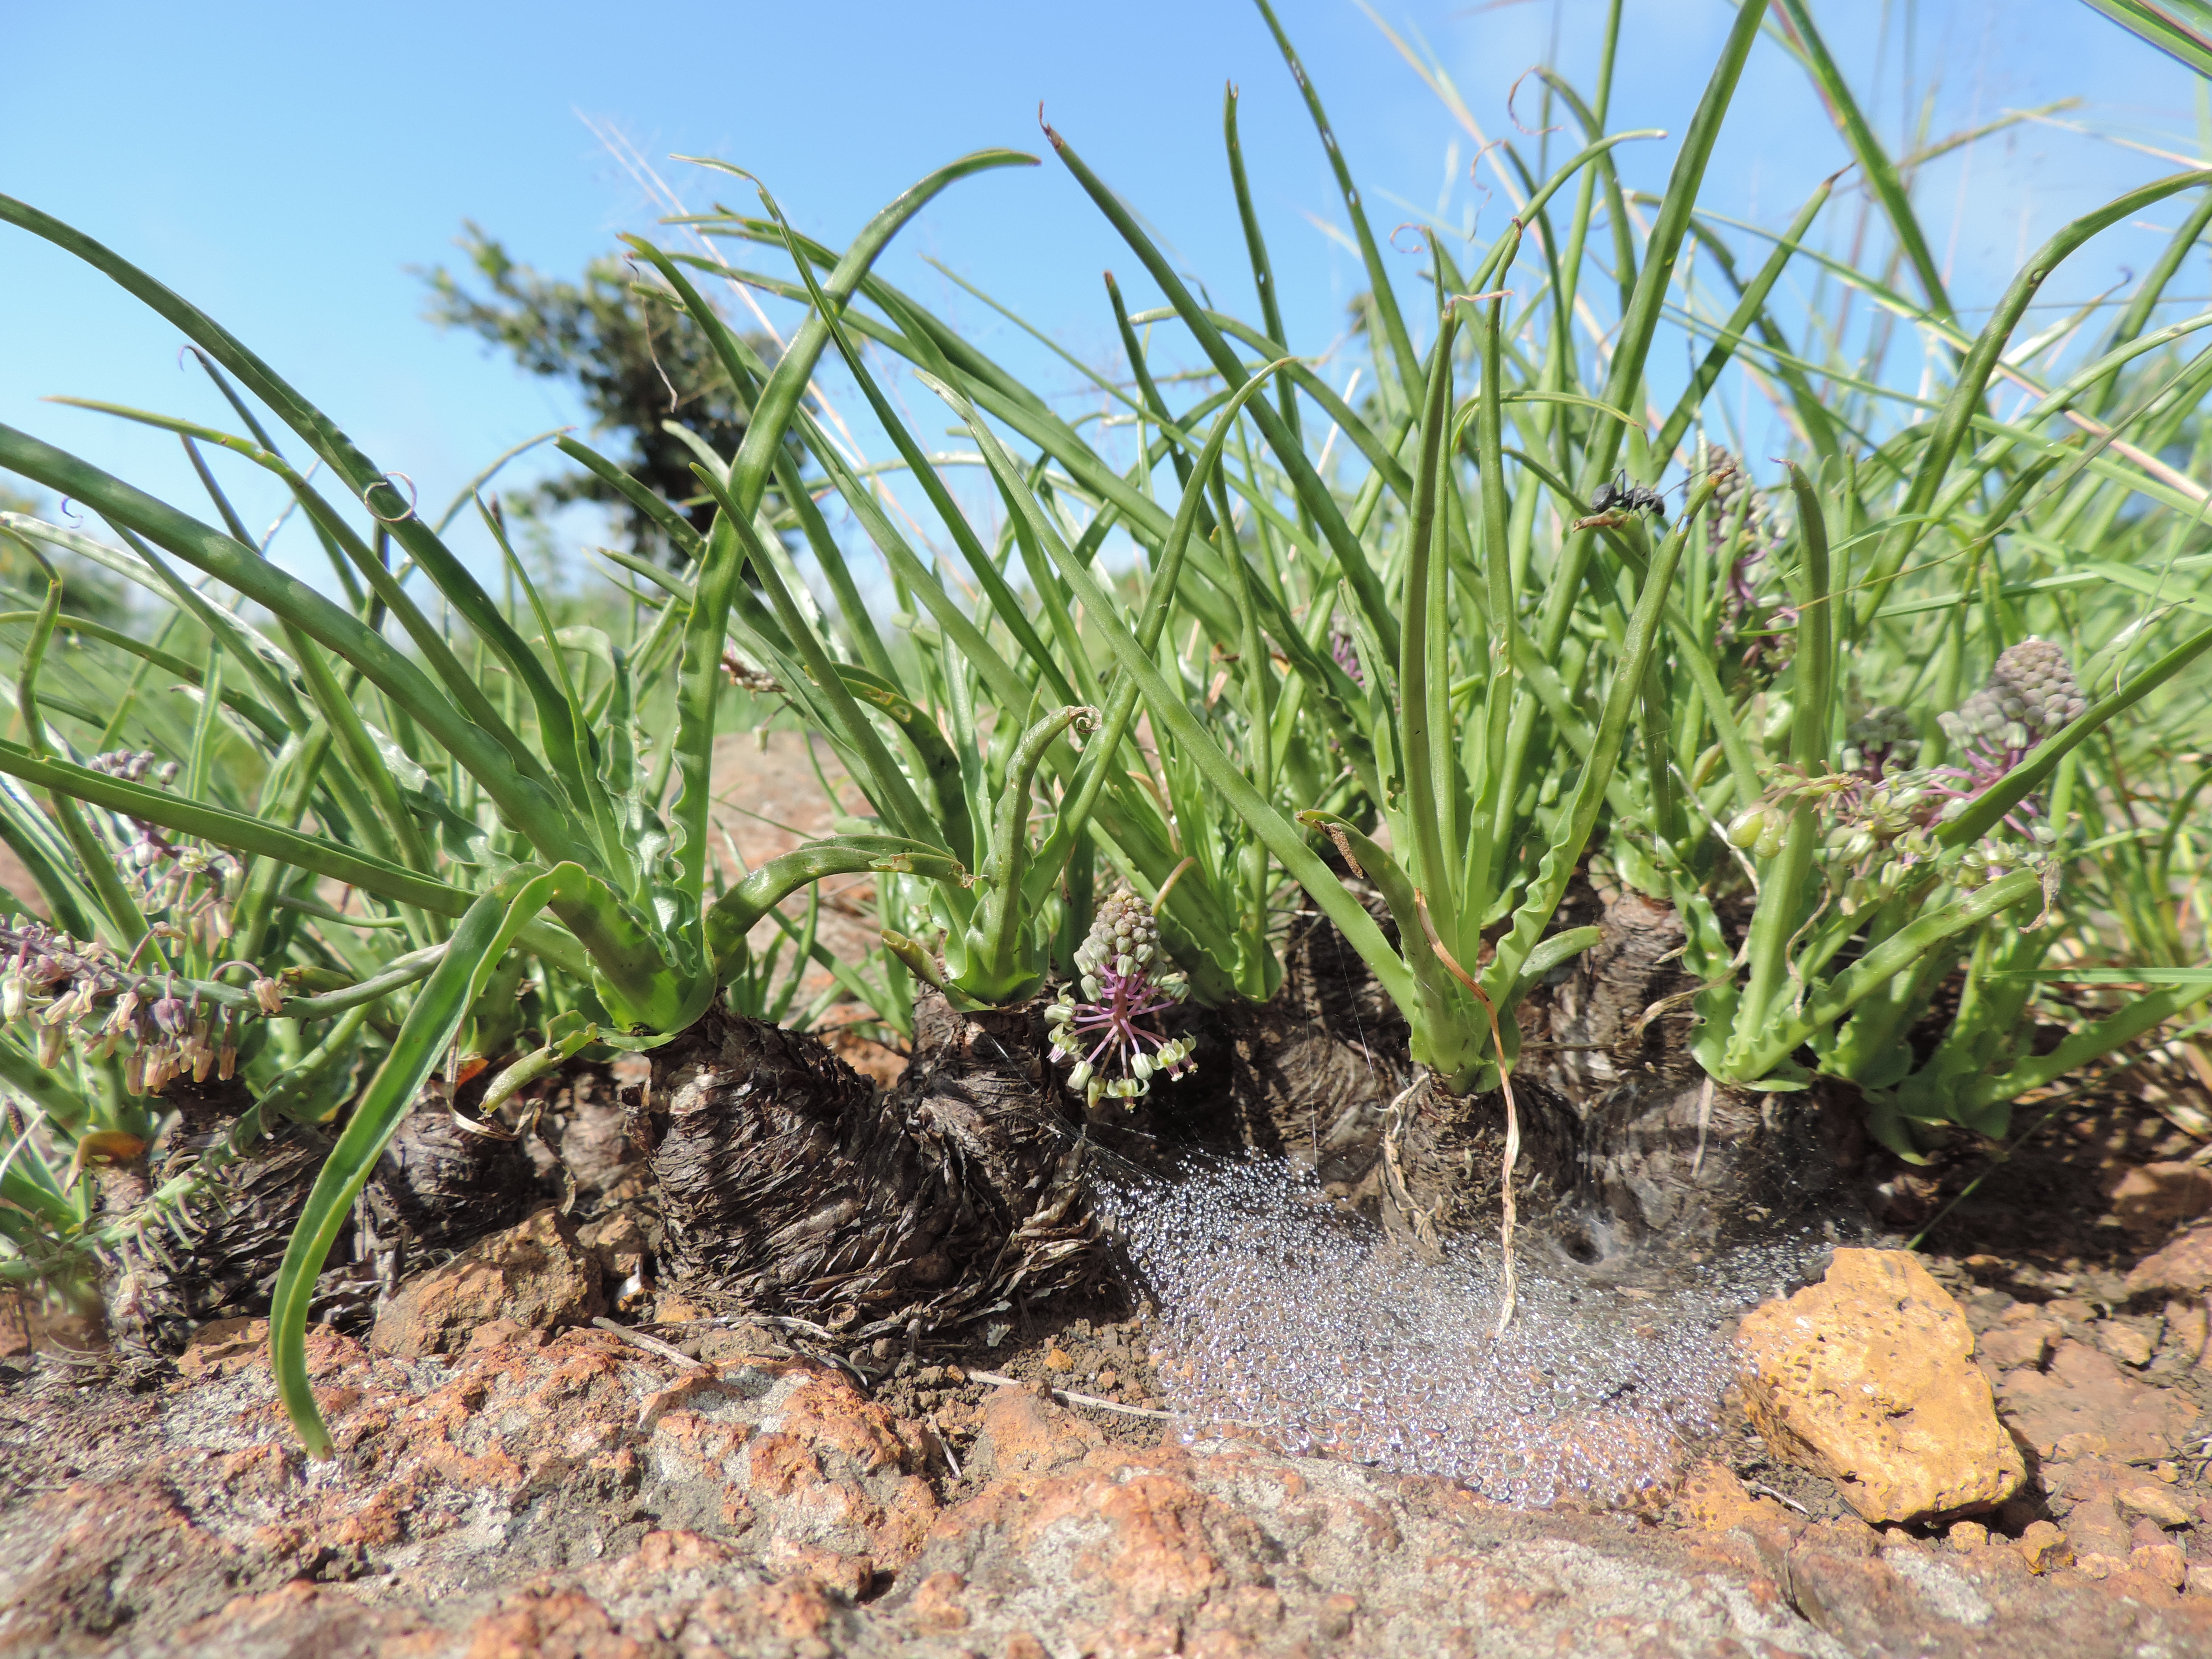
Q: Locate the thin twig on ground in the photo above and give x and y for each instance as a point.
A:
(652, 1345)
(1073, 1398)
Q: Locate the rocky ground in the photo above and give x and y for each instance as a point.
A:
(514, 1478)
(1999, 1443)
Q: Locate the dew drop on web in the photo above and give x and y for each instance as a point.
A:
(1285, 1317)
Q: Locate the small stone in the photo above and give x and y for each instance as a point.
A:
(936, 1606)
(222, 1346)
(2156, 1504)
(2071, 1310)
(1057, 1358)
(1714, 1499)
(1867, 1379)
(2183, 1267)
(535, 1274)
(2186, 1331)
(2127, 1344)
(2094, 1528)
(847, 1576)
(720, 1347)
(619, 1241)
(1967, 1536)
(2164, 1562)
(2029, 1343)
(2043, 1547)
(1335, 1619)
(2154, 1196)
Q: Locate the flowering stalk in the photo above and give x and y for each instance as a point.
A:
(61, 989)
(1883, 810)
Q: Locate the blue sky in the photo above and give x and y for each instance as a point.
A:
(283, 167)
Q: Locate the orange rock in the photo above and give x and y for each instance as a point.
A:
(565, 1622)
(848, 1576)
(1337, 1613)
(2183, 1267)
(2043, 1547)
(936, 1606)
(2029, 1343)
(223, 1345)
(2164, 1562)
(780, 1465)
(796, 1608)
(1024, 1436)
(663, 1553)
(2155, 1503)
(2094, 1528)
(1868, 1378)
(1713, 1499)
(535, 1274)
(2187, 1327)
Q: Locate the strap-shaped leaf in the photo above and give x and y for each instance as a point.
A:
(721, 570)
(528, 805)
(484, 935)
(735, 913)
(1771, 1046)
(2182, 29)
(362, 475)
(1280, 836)
(237, 831)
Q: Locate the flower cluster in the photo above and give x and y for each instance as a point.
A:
(1109, 1037)
(197, 886)
(1879, 744)
(1728, 485)
(2030, 694)
(1882, 808)
(1347, 655)
(1768, 628)
(63, 989)
(746, 678)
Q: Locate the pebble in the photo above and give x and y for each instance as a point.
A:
(1867, 1379)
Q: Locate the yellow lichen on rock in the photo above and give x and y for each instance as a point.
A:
(1869, 1379)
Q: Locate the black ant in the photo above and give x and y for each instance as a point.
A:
(1620, 496)
(1614, 504)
